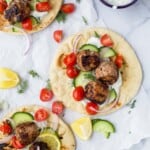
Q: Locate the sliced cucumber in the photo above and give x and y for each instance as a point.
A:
(83, 78)
(103, 126)
(8, 1)
(89, 47)
(106, 52)
(21, 117)
(35, 21)
(48, 130)
(112, 94)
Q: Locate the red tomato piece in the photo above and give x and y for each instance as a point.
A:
(78, 93)
(3, 6)
(92, 108)
(119, 61)
(68, 8)
(6, 128)
(43, 6)
(106, 40)
(27, 24)
(46, 95)
(16, 144)
(70, 60)
(41, 115)
(72, 72)
(57, 107)
(58, 35)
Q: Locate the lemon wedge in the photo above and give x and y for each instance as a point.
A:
(82, 128)
(8, 78)
(51, 140)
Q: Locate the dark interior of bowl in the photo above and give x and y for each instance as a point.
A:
(120, 6)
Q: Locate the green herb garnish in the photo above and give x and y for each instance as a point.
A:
(22, 87)
(89, 76)
(78, 1)
(97, 35)
(132, 104)
(34, 73)
(85, 20)
(61, 17)
(48, 86)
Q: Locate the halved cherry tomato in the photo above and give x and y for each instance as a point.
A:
(57, 107)
(68, 8)
(106, 40)
(92, 108)
(41, 115)
(43, 6)
(119, 61)
(58, 35)
(46, 95)
(70, 60)
(6, 128)
(72, 72)
(3, 6)
(16, 144)
(27, 24)
(78, 93)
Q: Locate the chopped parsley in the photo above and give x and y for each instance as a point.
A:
(33, 73)
(132, 104)
(78, 1)
(22, 87)
(85, 20)
(97, 35)
(89, 76)
(61, 17)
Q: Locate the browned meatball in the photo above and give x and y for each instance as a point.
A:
(27, 132)
(39, 145)
(96, 92)
(17, 11)
(87, 60)
(107, 72)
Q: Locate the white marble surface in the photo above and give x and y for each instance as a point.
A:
(133, 23)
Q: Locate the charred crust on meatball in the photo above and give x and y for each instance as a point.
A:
(96, 91)
(87, 60)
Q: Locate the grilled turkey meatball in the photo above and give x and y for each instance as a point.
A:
(96, 91)
(27, 132)
(107, 72)
(17, 11)
(39, 146)
(87, 60)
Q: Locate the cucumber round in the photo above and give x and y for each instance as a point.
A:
(112, 94)
(34, 20)
(103, 126)
(21, 117)
(106, 52)
(83, 79)
(89, 47)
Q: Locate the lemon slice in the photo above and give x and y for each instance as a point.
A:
(8, 78)
(82, 128)
(51, 139)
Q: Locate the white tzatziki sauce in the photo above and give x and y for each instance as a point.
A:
(119, 2)
(94, 41)
(39, 14)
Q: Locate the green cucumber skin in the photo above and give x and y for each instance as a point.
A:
(112, 94)
(21, 117)
(103, 126)
(89, 47)
(78, 81)
(109, 52)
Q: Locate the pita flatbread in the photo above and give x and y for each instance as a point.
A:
(48, 19)
(131, 74)
(67, 140)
